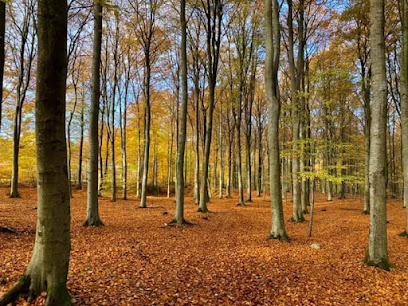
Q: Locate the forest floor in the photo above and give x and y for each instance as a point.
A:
(223, 259)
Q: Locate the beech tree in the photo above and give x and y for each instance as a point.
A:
(145, 30)
(296, 76)
(377, 254)
(26, 53)
(272, 33)
(48, 268)
(213, 11)
(404, 103)
(92, 215)
(181, 137)
(2, 46)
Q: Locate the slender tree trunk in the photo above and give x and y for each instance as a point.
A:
(139, 153)
(229, 175)
(404, 104)
(146, 131)
(377, 254)
(182, 135)
(2, 47)
(81, 147)
(296, 195)
(112, 136)
(272, 28)
(92, 210)
(170, 165)
(24, 76)
(239, 162)
(221, 178)
(124, 136)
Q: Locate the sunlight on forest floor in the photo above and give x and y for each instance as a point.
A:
(224, 259)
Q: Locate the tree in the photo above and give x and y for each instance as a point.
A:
(404, 103)
(48, 268)
(92, 218)
(272, 29)
(25, 57)
(213, 10)
(182, 134)
(115, 86)
(377, 254)
(146, 27)
(2, 34)
(296, 76)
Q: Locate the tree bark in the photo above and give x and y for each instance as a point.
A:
(81, 147)
(92, 211)
(24, 76)
(377, 254)
(2, 47)
(181, 140)
(272, 28)
(404, 104)
(48, 268)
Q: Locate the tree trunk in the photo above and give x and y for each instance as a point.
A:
(182, 135)
(81, 147)
(147, 122)
(221, 177)
(170, 159)
(92, 210)
(272, 29)
(112, 136)
(2, 46)
(239, 162)
(48, 268)
(295, 86)
(24, 76)
(404, 104)
(377, 254)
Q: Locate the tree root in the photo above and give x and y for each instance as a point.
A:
(96, 223)
(183, 223)
(283, 237)
(7, 230)
(20, 288)
(403, 234)
(202, 210)
(300, 220)
(383, 264)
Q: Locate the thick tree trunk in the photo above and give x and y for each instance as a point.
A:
(48, 268)
(377, 254)
(92, 211)
(272, 28)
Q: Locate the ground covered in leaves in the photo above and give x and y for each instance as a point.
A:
(223, 259)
